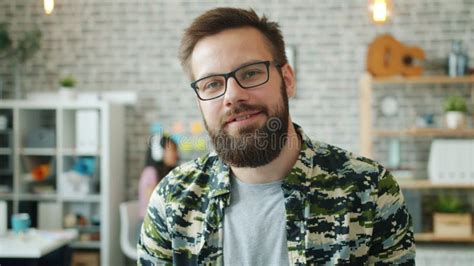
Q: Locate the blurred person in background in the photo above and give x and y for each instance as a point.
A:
(161, 157)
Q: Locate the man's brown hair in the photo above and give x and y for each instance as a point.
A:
(224, 18)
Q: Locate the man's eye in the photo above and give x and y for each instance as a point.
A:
(212, 85)
(251, 74)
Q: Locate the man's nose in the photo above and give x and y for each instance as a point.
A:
(235, 93)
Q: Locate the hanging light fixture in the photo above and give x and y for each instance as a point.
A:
(380, 10)
(48, 6)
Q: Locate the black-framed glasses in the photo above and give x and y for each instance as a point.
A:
(247, 76)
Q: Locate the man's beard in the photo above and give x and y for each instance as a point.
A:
(253, 146)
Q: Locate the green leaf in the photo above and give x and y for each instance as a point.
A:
(455, 103)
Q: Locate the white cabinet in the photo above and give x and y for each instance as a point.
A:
(44, 147)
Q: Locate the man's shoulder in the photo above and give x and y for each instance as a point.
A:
(336, 158)
(330, 162)
(189, 176)
(340, 175)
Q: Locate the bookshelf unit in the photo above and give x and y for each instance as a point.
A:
(413, 185)
(44, 147)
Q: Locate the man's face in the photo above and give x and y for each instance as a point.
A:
(248, 127)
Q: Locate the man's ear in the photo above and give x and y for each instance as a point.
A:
(289, 79)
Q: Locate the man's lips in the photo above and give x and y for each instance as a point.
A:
(241, 116)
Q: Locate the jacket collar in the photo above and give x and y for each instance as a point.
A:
(297, 178)
(220, 179)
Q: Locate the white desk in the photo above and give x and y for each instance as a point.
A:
(34, 244)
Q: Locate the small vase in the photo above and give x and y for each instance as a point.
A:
(455, 120)
(67, 93)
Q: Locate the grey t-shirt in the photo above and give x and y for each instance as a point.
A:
(254, 225)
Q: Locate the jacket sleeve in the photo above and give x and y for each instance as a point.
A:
(392, 240)
(154, 246)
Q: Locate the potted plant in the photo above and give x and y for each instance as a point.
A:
(451, 217)
(19, 51)
(5, 41)
(5, 44)
(66, 90)
(455, 107)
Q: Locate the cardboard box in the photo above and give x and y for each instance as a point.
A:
(452, 225)
(82, 258)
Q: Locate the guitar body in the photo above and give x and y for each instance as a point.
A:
(388, 57)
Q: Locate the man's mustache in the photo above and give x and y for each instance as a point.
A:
(240, 108)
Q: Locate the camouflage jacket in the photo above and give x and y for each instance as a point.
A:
(340, 209)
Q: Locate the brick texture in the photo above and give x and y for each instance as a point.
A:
(132, 45)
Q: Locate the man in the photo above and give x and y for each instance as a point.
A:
(268, 195)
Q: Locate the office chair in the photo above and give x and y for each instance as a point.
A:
(129, 220)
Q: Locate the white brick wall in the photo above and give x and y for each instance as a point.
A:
(132, 45)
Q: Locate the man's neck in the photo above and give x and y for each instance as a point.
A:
(276, 169)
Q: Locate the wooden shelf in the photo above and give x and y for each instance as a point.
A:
(368, 134)
(426, 132)
(427, 184)
(424, 80)
(431, 237)
(366, 97)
